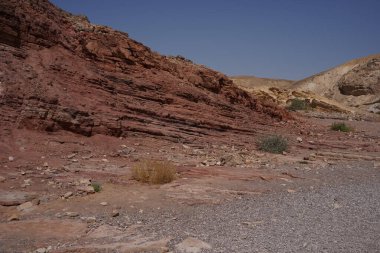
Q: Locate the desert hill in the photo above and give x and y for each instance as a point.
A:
(253, 82)
(278, 91)
(351, 87)
(355, 84)
(60, 72)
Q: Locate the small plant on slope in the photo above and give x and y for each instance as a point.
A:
(274, 144)
(341, 127)
(97, 187)
(297, 105)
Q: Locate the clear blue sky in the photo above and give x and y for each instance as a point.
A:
(289, 39)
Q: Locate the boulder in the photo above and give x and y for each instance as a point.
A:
(15, 198)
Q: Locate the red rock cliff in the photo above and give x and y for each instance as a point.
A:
(60, 72)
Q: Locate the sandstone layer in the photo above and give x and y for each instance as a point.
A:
(60, 72)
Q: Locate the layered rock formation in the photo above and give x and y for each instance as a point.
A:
(60, 72)
(355, 84)
(364, 79)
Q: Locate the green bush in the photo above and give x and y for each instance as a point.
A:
(97, 187)
(298, 105)
(341, 127)
(154, 172)
(274, 144)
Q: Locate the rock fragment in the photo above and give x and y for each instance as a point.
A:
(71, 214)
(68, 195)
(71, 155)
(14, 198)
(25, 206)
(115, 213)
(86, 189)
(192, 245)
(41, 250)
(91, 219)
(14, 217)
(85, 181)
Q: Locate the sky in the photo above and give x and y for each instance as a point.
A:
(289, 39)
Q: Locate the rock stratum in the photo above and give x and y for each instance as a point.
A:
(60, 72)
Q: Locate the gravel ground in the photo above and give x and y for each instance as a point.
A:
(340, 214)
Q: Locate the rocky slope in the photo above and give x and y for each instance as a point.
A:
(355, 84)
(60, 72)
(353, 87)
(277, 91)
(282, 92)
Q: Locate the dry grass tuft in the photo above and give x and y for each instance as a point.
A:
(154, 172)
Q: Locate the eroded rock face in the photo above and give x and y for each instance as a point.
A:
(362, 80)
(60, 72)
(353, 86)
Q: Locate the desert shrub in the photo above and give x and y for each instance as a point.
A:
(180, 57)
(298, 105)
(274, 144)
(341, 127)
(97, 187)
(154, 172)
